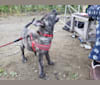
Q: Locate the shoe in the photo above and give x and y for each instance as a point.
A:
(95, 71)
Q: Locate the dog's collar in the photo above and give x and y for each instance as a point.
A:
(45, 35)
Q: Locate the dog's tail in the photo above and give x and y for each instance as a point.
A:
(29, 23)
(26, 27)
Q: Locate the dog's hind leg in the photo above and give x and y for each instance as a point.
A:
(24, 59)
(41, 68)
(48, 59)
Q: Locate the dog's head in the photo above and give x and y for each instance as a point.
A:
(48, 21)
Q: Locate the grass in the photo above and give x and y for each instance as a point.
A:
(18, 9)
(3, 73)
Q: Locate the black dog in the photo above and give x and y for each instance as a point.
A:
(39, 42)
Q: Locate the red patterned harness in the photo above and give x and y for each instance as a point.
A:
(40, 46)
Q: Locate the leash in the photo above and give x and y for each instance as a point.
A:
(11, 42)
(40, 46)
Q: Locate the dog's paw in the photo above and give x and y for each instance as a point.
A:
(42, 75)
(24, 60)
(51, 63)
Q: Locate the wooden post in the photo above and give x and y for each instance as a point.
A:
(86, 27)
(72, 23)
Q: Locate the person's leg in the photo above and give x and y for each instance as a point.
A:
(95, 53)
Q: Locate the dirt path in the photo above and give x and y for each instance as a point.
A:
(71, 61)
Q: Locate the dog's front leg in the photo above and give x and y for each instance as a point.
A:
(41, 68)
(48, 59)
(24, 59)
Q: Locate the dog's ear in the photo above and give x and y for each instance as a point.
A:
(39, 23)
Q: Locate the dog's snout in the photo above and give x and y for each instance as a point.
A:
(54, 10)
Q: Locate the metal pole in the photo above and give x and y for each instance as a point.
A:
(79, 7)
(72, 8)
(65, 13)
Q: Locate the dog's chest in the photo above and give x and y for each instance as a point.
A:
(44, 40)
